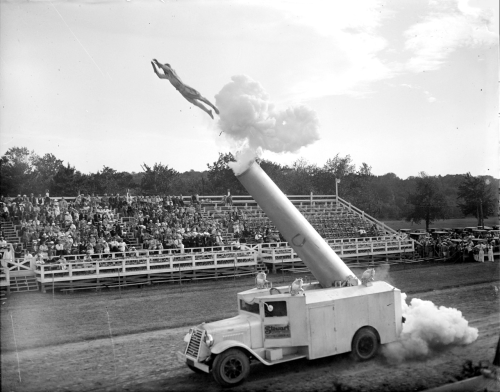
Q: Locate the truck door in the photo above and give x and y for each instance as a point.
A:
(284, 321)
(323, 330)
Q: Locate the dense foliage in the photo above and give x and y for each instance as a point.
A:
(427, 202)
(420, 198)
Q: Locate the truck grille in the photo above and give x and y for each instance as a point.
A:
(194, 343)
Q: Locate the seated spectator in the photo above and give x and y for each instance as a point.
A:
(5, 214)
(218, 238)
(51, 250)
(121, 245)
(236, 243)
(39, 259)
(18, 251)
(3, 243)
(113, 245)
(88, 262)
(106, 248)
(63, 264)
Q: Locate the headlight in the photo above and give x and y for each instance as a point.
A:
(187, 337)
(209, 340)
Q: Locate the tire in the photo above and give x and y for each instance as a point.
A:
(196, 370)
(231, 367)
(365, 344)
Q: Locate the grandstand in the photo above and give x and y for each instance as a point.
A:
(357, 237)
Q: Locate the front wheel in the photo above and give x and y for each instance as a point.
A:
(364, 344)
(231, 367)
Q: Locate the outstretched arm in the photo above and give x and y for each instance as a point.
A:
(161, 76)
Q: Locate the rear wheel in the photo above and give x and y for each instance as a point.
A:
(231, 367)
(365, 344)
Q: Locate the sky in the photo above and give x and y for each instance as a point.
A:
(402, 85)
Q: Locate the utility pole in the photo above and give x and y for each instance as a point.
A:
(337, 182)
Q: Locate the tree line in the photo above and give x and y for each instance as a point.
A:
(386, 197)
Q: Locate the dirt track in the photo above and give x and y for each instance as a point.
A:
(147, 362)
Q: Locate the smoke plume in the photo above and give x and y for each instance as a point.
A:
(428, 328)
(249, 118)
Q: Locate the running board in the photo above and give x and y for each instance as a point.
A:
(284, 358)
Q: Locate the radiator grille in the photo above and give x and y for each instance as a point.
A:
(194, 343)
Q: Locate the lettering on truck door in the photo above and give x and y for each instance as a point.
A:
(284, 322)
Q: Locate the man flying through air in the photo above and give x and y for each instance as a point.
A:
(187, 92)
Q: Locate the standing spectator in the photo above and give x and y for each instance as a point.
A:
(63, 205)
(481, 253)
(444, 249)
(489, 248)
(47, 197)
(470, 250)
(229, 199)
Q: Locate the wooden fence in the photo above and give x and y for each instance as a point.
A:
(110, 271)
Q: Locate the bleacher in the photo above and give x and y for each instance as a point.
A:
(333, 218)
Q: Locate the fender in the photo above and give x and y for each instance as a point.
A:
(227, 344)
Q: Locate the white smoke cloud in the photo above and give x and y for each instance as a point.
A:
(248, 117)
(243, 159)
(428, 328)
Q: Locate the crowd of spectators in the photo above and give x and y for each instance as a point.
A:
(458, 245)
(51, 228)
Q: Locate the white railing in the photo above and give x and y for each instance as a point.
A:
(102, 268)
(142, 253)
(347, 249)
(364, 215)
(4, 277)
(11, 264)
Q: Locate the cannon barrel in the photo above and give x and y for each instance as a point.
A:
(322, 261)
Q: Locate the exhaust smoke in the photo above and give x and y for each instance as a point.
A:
(428, 328)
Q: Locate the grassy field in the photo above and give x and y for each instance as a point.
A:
(449, 223)
(43, 319)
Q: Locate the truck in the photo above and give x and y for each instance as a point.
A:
(336, 314)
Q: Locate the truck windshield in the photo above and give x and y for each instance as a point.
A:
(252, 308)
